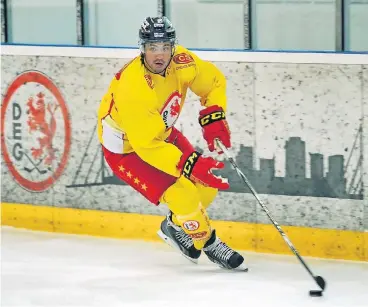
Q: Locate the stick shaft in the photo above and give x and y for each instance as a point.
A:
(264, 207)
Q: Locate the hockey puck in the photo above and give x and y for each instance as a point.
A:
(315, 293)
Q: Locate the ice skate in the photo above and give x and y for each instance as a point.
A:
(219, 253)
(178, 239)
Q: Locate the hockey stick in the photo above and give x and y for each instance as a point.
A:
(35, 166)
(318, 279)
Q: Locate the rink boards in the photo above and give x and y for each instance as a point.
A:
(325, 243)
(298, 126)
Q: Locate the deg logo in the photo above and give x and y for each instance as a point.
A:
(35, 131)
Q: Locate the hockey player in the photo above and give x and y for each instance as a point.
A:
(136, 120)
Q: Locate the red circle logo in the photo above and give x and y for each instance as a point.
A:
(35, 131)
(191, 225)
(183, 58)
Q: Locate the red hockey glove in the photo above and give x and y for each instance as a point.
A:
(198, 169)
(214, 126)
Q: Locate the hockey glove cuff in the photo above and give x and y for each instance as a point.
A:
(198, 168)
(214, 126)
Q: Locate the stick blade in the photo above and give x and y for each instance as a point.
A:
(320, 281)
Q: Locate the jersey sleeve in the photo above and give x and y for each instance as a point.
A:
(209, 83)
(144, 128)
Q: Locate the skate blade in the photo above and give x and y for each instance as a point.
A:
(240, 268)
(170, 242)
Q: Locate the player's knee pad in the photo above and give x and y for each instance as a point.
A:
(196, 225)
(182, 196)
(206, 194)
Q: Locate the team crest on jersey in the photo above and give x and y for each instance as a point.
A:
(183, 58)
(35, 131)
(170, 111)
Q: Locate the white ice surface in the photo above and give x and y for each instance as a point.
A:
(45, 269)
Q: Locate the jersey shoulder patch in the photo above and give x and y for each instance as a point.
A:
(183, 58)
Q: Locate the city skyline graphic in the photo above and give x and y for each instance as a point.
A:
(295, 182)
(332, 183)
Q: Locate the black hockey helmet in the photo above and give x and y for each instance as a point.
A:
(156, 29)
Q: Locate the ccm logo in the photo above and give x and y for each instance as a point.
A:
(191, 225)
(213, 117)
(188, 166)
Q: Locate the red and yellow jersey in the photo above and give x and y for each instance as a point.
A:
(140, 107)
